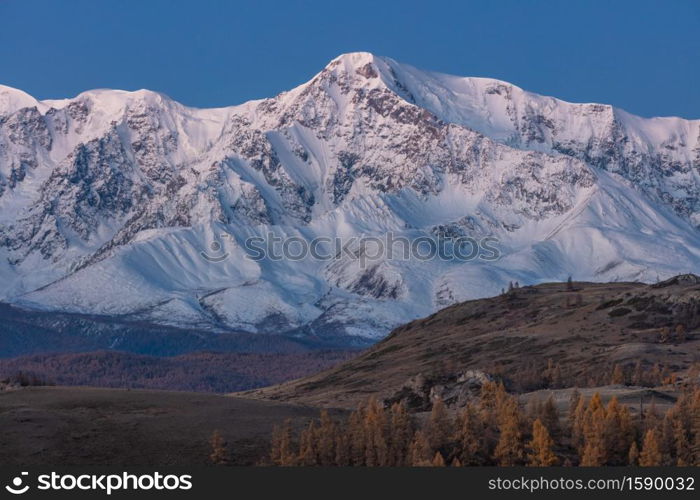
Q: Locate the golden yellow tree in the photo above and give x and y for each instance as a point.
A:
(439, 426)
(594, 451)
(618, 375)
(509, 450)
(438, 460)
(376, 447)
(219, 451)
(308, 453)
(651, 454)
(541, 447)
(577, 421)
(468, 436)
(619, 432)
(326, 437)
(282, 452)
(684, 456)
(633, 454)
(421, 453)
(356, 437)
(400, 435)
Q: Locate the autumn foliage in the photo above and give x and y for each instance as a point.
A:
(495, 429)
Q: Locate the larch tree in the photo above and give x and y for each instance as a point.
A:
(438, 460)
(541, 447)
(550, 417)
(574, 400)
(421, 453)
(400, 435)
(376, 449)
(356, 437)
(219, 451)
(578, 421)
(468, 436)
(651, 453)
(282, 452)
(594, 452)
(439, 427)
(509, 450)
(308, 451)
(326, 437)
(633, 454)
(619, 432)
(618, 375)
(684, 456)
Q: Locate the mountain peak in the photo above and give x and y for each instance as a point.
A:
(354, 59)
(12, 99)
(113, 201)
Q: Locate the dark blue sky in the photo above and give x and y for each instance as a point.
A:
(642, 56)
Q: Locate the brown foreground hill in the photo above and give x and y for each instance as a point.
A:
(549, 336)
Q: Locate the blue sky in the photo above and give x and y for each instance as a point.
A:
(640, 55)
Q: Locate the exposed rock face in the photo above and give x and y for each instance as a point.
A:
(420, 392)
(109, 200)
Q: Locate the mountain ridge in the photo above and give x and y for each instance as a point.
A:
(107, 203)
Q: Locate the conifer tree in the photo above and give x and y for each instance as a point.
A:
(401, 434)
(491, 399)
(550, 417)
(376, 449)
(573, 405)
(693, 419)
(342, 449)
(651, 453)
(594, 452)
(667, 444)
(219, 451)
(681, 443)
(282, 453)
(438, 460)
(618, 433)
(578, 421)
(638, 374)
(421, 454)
(509, 450)
(439, 427)
(326, 440)
(633, 454)
(308, 453)
(618, 375)
(468, 436)
(650, 417)
(541, 447)
(356, 437)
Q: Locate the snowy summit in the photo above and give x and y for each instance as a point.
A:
(109, 200)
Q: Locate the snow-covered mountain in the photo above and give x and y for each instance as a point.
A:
(110, 201)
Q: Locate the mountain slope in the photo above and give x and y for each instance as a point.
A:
(583, 331)
(110, 202)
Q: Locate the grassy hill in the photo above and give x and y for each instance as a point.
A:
(547, 336)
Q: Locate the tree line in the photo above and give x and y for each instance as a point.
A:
(495, 429)
(534, 376)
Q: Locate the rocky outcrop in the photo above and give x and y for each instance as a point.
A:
(420, 392)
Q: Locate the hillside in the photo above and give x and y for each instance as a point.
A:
(198, 371)
(548, 336)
